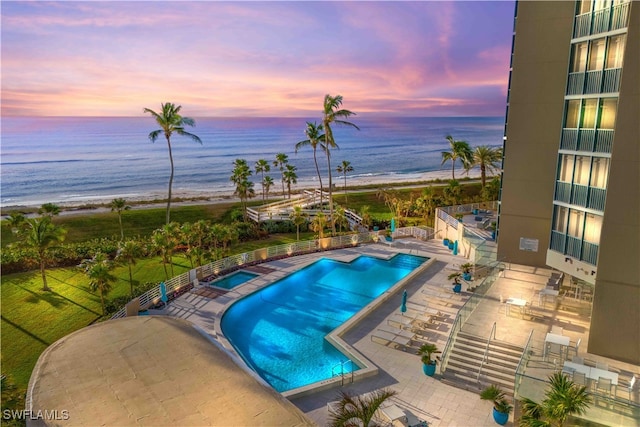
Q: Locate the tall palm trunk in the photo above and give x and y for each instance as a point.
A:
(130, 279)
(333, 224)
(45, 287)
(315, 159)
(170, 180)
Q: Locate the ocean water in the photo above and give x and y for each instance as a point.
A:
(83, 159)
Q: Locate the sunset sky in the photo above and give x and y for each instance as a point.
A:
(113, 58)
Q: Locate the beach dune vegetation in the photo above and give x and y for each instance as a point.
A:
(170, 122)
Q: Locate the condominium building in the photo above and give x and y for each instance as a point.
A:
(570, 196)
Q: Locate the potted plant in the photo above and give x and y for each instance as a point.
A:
(428, 365)
(501, 406)
(466, 270)
(457, 286)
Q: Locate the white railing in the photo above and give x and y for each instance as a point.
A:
(422, 233)
(234, 262)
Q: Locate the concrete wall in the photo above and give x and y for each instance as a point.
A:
(615, 323)
(534, 124)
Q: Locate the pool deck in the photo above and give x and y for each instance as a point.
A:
(423, 397)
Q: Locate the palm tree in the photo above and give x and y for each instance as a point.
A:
(281, 160)
(299, 218)
(319, 223)
(49, 209)
(16, 221)
(488, 159)
(40, 234)
(98, 270)
(261, 167)
(427, 203)
(459, 150)
(344, 168)
(358, 410)
(164, 240)
(563, 399)
(315, 139)
(452, 192)
(119, 205)
(340, 218)
(244, 188)
(170, 122)
(365, 214)
(128, 253)
(290, 177)
(492, 190)
(333, 114)
(267, 183)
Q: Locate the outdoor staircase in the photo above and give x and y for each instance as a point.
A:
(465, 362)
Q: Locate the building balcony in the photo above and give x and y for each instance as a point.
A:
(574, 247)
(597, 197)
(587, 140)
(595, 81)
(563, 192)
(580, 195)
(601, 21)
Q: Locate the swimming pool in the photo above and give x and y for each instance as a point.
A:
(233, 280)
(280, 330)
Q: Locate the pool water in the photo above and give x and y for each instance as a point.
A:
(233, 280)
(279, 330)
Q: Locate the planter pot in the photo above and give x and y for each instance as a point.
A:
(466, 276)
(493, 235)
(457, 287)
(475, 211)
(450, 244)
(500, 417)
(429, 370)
(445, 242)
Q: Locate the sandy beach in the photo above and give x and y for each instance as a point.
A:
(225, 194)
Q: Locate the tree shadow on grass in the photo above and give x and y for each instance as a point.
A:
(54, 299)
(24, 331)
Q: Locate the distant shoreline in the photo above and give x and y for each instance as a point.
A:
(182, 198)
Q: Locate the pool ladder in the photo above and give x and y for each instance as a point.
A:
(341, 372)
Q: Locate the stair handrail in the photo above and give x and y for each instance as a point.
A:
(485, 357)
(521, 364)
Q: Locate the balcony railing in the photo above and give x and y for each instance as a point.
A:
(586, 139)
(569, 139)
(611, 80)
(597, 197)
(582, 25)
(557, 241)
(579, 195)
(604, 141)
(601, 21)
(593, 83)
(575, 83)
(620, 16)
(563, 191)
(590, 253)
(574, 246)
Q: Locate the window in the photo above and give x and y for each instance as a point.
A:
(560, 219)
(589, 113)
(584, 7)
(592, 227)
(599, 172)
(573, 114)
(581, 174)
(566, 168)
(615, 52)
(579, 57)
(601, 4)
(596, 56)
(608, 108)
(576, 223)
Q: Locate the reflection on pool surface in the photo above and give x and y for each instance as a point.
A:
(233, 280)
(279, 330)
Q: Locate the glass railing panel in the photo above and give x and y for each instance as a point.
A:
(586, 140)
(590, 253)
(563, 191)
(620, 16)
(611, 80)
(593, 82)
(569, 139)
(604, 141)
(574, 245)
(582, 25)
(597, 197)
(557, 241)
(575, 83)
(579, 195)
(601, 21)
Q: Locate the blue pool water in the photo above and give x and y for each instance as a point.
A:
(233, 280)
(279, 330)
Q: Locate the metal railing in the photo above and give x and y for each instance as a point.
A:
(485, 356)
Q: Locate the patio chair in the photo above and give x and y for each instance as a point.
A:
(632, 383)
(602, 365)
(579, 378)
(503, 305)
(577, 359)
(557, 330)
(554, 349)
(575, 348)
(604, 385)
